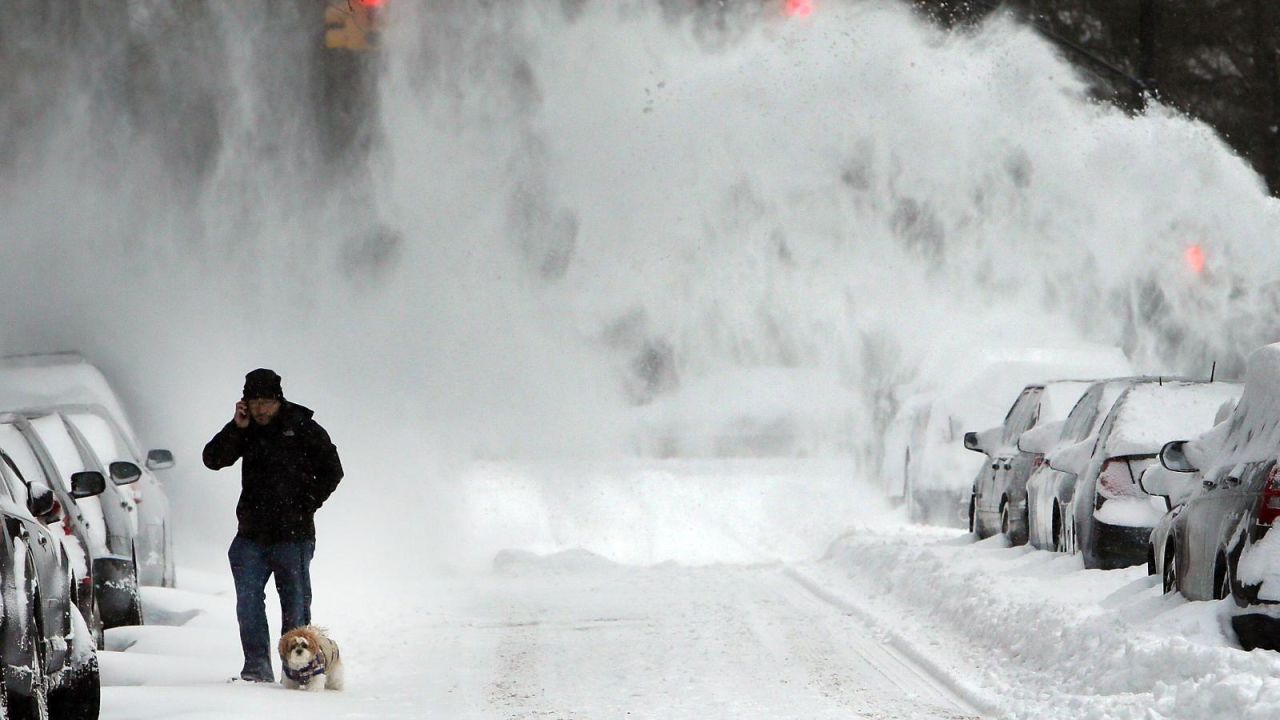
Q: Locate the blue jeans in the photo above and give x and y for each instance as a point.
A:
(252, 563)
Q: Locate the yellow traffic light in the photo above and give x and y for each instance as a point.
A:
(353, 24)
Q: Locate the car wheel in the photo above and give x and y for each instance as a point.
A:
(973, 515)
(170, 568)
(1058, 545)
(79, 695)
(34, 706)
(1169, 579)
(95, 623)
(1223, 588)
(134, 615)
(913, 511)
(1006, 524)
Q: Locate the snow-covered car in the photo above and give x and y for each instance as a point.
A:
(747, 412)
(103, 560)
(924, 460)
(1049, 491)
(1113, 515)
(47, 651)
(66, 520)
(105, 448)
(1224, 489)
(69, 383)
(998, 501)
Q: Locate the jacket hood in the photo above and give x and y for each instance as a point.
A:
(293, 413)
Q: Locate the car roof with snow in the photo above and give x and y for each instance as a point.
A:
(40, 381)
(1148, 415)
(984, 400)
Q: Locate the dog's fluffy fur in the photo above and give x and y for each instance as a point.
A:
(300, 646)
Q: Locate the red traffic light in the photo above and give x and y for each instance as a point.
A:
(798, 8)
(1195, 259)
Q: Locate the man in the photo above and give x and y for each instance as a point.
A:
(290, 468)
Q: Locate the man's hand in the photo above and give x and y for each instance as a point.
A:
(242, 415)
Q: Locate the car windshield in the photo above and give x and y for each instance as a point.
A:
(1023, 414)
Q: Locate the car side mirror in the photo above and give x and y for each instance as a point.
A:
(984, 442)
(1163, 482)
(1041, 439)
(159, 460)
(40, 500)
(1072, 459)
(87, 484)
(123, 472)
(1173, 456)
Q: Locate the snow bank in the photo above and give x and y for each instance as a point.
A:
(648, 512)
(1052, 640)
(518, 562)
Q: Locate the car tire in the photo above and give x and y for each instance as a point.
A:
(81, 696)
(95, 623)
(36, 705)
(1223, 579)
(1014, 535)
(913, 510)
(973, 514)
(134, 614)
(1058, 545)
(1169, 578)
(170, 568)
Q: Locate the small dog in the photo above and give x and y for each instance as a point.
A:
(310, 660)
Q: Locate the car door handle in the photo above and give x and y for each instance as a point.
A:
(1008, 466)
(44, 540)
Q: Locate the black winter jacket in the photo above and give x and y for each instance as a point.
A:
(290, 468)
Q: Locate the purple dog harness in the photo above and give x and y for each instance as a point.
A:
(304, 674)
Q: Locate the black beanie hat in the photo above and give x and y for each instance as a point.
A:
(262, 383)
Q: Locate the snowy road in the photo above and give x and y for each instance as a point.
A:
(679, 642)
(860, 616)
(570, 636)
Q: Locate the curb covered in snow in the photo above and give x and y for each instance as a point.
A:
(1052, 639)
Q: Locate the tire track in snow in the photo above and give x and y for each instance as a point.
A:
(897, 649)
